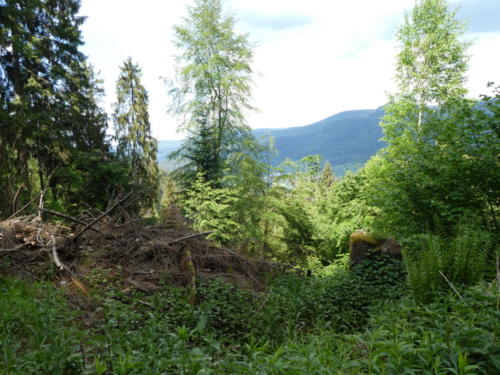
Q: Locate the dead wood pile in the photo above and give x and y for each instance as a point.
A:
(133, 254)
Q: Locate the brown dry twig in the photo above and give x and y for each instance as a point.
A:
(25, 206)
(88, 226)
(16, 196)
(188, 237)
(69, 218)
(11, 250)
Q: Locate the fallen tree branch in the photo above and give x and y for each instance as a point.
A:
(235, 254)
(69, 218)
(232, 253)
(55, 256)
(16, 196)
(453, 287)
(136, 198)
(61, 267)
(88, 226)
(24, 207)
(188, 237)
(11, 250)
(41, 204)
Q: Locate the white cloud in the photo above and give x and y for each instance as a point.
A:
(484, 62)
(315, 57)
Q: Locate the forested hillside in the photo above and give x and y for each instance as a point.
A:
(239, 260)
(346, 140)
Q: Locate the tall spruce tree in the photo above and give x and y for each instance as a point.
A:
(47, 104)
(135, 145)
(212, 88)
(327, 178)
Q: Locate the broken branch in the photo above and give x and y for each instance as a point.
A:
(69, 218)
(55, 256)
(188, 237)
(88, 226)
(24, 207)
(16, 196)
(11, 250)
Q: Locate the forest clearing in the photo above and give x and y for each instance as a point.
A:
(227, 263)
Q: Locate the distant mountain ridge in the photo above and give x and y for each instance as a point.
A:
(347, 140)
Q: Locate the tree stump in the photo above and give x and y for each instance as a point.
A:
(363, 246)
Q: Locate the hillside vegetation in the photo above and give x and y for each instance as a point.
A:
(239, 261)
(346, 140)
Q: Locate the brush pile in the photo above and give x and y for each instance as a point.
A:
(131, 253)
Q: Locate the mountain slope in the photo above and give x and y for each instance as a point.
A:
(166, 147)
(347, 140)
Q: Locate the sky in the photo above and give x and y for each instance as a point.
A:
(312, 58)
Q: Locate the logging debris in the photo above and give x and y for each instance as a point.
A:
(132, 254)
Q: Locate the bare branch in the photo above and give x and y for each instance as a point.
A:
(25, 206)
(11, 250)
(88, 226)
(69, 218)
(188, 237)
(55, 256)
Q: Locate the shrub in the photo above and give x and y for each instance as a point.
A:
(460, 258)
(347, 300)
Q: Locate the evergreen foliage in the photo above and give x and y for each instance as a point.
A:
(95, 178)
(434, 188)
(211, 90)
(135, 145)
(49, 97)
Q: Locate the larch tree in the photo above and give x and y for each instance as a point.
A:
(212, 88)
(135, 145)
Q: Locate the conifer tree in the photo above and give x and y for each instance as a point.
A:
(327, 176)
(48, 106)
(212, 88)
(135, 145)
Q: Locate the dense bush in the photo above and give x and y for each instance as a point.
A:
(91, 178)
(347, 301)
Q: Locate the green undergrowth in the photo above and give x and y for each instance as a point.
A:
(352, 322)
(37, 334)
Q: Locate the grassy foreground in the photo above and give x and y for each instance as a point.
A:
(347, 323)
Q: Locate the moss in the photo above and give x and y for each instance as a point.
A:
(363, 237)
(360, 245)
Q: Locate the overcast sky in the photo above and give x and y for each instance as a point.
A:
(313, 58)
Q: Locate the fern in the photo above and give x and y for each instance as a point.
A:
(462, 258)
